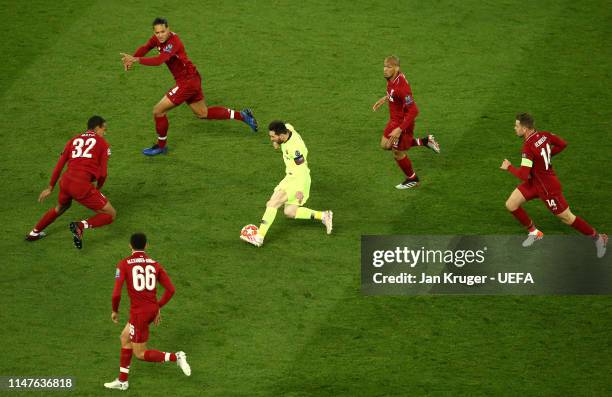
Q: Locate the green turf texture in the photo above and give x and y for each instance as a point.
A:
(288, 319)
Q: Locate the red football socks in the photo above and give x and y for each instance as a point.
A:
(221, 113)
(98, 220)
(161, 126)
(158, 357)
(521, 215)
(406, 165)
(124, 364)
(583, 227)
(46, 220)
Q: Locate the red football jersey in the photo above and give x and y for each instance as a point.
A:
(172, 53)
(141, 274)
(87, 157)
(538, 150)
(401, 101)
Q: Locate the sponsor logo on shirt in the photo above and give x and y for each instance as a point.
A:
(409, 100)
(168, 48)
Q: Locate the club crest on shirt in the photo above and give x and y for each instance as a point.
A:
(299, 157)
(168, 48)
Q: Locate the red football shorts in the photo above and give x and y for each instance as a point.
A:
(189, 91)
(406, 138)
(139, 325)
(81, 191)
(554, 201)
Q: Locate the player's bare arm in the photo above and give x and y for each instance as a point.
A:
(128, 60)
(379, 103)
(394, 135)
(505, 164)
(44, 194)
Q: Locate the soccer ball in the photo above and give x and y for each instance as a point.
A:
(249, 230)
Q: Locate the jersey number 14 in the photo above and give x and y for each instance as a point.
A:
(546, 156)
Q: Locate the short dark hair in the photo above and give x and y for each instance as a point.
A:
(526, 120)
(160, 21)
(95, 121)
(138, 241)
(278, 127)
(394, 59)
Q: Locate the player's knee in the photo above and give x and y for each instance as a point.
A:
(272, 204)
(113, 213)
(201, 114)
(139, 354)
(398, 154)
(567, 217)
(290, 212)
(158, 112)
(511, 205)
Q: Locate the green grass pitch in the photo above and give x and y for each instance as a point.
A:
(289, 319)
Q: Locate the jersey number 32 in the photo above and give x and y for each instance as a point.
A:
(78, 145)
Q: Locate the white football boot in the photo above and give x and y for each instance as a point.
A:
(409, 183)
(532, 237)
(600, 244)
(181, 361)
(117, 384)
(433, 144)
(327, 220)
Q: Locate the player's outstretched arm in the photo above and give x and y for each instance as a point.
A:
(128, 61)
(521, 173)
(119, 279)
(44, 194)
(58, 169)
(379, 103)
